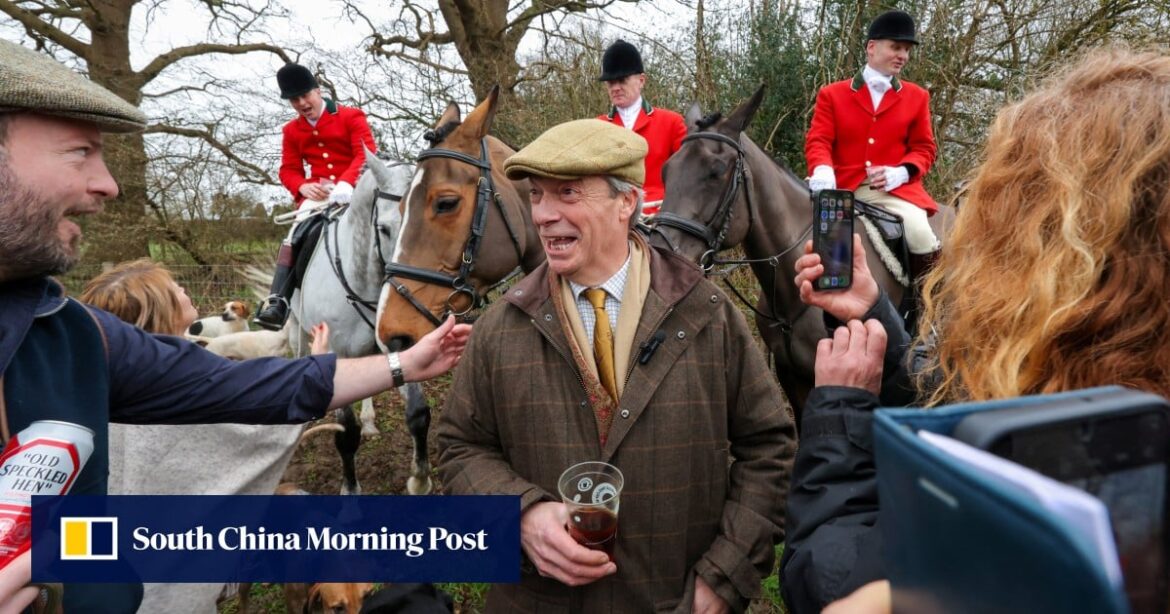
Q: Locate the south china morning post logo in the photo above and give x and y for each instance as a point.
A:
(89, 539)
(276, 539)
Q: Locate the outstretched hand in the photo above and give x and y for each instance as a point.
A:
(849, 304)
(437, 352)
(320, 342)
(852, 356)
(554, 552)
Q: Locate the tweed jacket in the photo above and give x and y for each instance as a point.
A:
(663, 130)
(848, 134)
(333, 149)
(702, 434)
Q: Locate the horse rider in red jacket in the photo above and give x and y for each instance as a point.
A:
(624, 77)
(330, 140)
(872, 134)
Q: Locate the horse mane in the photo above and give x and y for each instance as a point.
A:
(438, 135)
(709, 120)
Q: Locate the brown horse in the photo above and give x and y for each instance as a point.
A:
(722, 190)
(465, 227)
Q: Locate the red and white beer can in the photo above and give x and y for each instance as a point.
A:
(43, 459)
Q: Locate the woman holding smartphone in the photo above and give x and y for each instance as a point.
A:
(1056, 277)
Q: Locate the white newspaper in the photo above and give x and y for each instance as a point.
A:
(1083, 512)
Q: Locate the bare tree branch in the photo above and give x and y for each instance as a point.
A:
(161, 62)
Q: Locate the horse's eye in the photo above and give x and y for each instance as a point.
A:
(446, 204)
(717, 169)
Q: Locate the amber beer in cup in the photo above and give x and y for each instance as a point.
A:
(592, 492)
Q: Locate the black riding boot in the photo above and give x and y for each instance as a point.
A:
(275, 311)
(920, 265)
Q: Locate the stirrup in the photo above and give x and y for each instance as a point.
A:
(277, 303)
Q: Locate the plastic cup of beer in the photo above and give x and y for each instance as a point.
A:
(592, 492)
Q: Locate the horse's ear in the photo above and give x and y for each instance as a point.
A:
(742, 115)
(378, 168)
(694, 114)
(450, 114)
(479, 121)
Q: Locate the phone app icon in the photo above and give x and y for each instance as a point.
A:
(824, 214)
(824, 226)
(840, 215)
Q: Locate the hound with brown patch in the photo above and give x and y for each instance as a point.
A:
(233, 319)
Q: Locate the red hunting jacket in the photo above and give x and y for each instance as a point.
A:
(332, 148)
(848, 135)
(664, 131)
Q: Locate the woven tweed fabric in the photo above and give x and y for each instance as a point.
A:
(31, 81)
(582, 148)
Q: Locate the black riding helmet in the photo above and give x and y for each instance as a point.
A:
(621, 59)
(893, 25)
(295, 80)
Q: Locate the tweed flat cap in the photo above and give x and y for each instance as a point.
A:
(31, 81)
(582, 148)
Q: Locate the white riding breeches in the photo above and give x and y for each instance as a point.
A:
(920, 238)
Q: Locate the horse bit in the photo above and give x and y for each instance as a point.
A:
(459, 283)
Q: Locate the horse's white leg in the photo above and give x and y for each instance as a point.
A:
(369, 429)
(418, 422)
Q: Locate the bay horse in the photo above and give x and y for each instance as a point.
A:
(465, 228)
(339, 286)
(723, 190)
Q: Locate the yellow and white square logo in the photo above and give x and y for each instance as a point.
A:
(89, 538)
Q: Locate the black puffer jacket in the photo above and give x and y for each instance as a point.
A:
(833, 546)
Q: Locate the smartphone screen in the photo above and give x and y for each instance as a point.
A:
(833, 237)
(1123, 462)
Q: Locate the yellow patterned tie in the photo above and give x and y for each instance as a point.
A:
(602, 341)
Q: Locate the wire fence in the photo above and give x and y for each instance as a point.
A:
(209, 286)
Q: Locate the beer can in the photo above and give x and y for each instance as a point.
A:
(43, 459)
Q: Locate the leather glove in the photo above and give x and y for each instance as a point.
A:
(341, 193)
(823, 178)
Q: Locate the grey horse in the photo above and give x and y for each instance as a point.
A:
(340, 287)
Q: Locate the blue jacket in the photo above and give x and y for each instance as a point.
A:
(65, 361)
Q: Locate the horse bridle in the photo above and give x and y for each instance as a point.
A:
(713, 237)
(714, 231)
(459, 283)
(334, 256)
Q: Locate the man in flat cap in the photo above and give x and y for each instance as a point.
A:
(64, 361)
(616, 351)
(330, 140)
(872, 134)
(663, 129)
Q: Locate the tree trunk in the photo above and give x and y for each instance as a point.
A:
(122, 232)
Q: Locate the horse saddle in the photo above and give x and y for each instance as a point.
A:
(886, 227)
